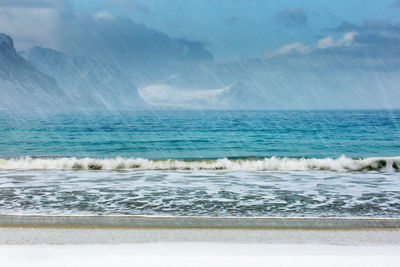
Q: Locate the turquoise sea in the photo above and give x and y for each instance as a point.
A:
(204, 163)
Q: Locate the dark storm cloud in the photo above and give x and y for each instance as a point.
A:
(292, 17)
(376, 41)
(101, 35)
(122, 40)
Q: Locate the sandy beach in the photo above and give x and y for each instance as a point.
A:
(49, 241)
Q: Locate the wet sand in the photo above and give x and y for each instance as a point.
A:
(36, 229)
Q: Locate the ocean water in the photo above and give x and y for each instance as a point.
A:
(202, 163)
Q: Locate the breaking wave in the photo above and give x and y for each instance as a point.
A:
(264, 164)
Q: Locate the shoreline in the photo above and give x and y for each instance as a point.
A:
(93, 236)
(42, 229)
(80, 230)
(179, 222)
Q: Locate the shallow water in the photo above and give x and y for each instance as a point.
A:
(201, 193)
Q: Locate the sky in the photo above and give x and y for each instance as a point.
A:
(315, 54)
(234, 28)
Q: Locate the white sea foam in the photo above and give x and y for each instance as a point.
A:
(267, 164)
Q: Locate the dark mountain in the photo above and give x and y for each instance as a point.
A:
(88, 82)
(23, 86)
(46, 79)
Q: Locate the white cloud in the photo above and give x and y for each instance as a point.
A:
(30, 25)
(290, 48)
(329, 42)
(323, 43)
(348, 38)
(326, 42)
(166, 95)
(33, 22)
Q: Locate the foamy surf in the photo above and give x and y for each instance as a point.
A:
(266, 164)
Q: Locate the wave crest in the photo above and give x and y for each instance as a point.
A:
(267, 164)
